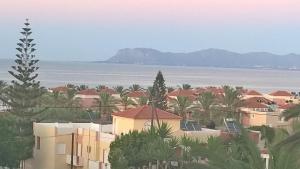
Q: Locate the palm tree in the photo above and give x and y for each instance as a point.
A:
(119, 89)
(142, 101)
(186, 86)
(82, 87)
(182, 105)
(135, 87)
(106, 105)
(206, 100)
(231, 100)
(99, 87)
(70, 99)
(126, 101)
(291, 113)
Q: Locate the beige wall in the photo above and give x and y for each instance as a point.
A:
(45, 157)
(124, 125)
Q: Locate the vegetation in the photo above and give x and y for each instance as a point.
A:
(160, 92)
(106, 105)
(22, 97)
(135, 87)
(126, 101)
(291, 113)
(182, 105)
(143, 149)
(186, 86)
(231, 100)
(207, 100)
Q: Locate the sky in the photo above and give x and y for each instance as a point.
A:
(94, 30)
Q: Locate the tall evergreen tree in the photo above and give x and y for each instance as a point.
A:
(24, 93)
(160, 91)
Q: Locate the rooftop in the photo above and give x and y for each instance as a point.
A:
(145, 112)
(281, 93)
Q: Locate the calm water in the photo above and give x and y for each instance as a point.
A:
(60, 73)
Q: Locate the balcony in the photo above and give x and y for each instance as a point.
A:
(77, 161)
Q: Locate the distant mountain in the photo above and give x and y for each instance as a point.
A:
(206, 58)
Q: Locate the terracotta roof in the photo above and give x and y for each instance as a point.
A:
(281, 93)
(145, 112)
(250, 103)
(253, 93)
(137, 94)
(88, 92)
(260, 100)
(61, 89)
(108, 91)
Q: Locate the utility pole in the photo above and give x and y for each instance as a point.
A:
(72, 151)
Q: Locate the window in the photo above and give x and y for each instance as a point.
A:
(60, 149)
(38, 143)
(88, 149)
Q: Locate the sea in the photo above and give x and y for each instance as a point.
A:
(52, 74)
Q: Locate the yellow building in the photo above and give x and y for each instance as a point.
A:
(53, 146)
(91, 141)
(140, 119)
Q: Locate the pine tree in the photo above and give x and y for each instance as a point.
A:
(160, 91)
(24, 93)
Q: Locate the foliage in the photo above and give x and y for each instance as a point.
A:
(186, 86)
(141, 149)
(182, 105)
(119, 89)
(231, 100)
(142, 101)
(206, 100)
(106, 105)
(159, 92)
(267, 133)
(293, 112)
(126, 101)
(24, 93)
(135, 87)
(81, 87)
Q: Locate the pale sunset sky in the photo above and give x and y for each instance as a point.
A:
(90, 30)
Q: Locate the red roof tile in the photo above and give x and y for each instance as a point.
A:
(281, 93)
(88, 92)
(145, 112)
(253, 93)
(137, 94)
(61, 89)
(250, 103)
(260, 100)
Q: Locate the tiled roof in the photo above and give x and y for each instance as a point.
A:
(88, 92)
(138, 94)
(251, 103)
(260, 100)
(61, 89)
(253, 93)
(145, 112)
(281, 93)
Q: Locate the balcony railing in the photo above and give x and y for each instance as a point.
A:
(77, 161)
